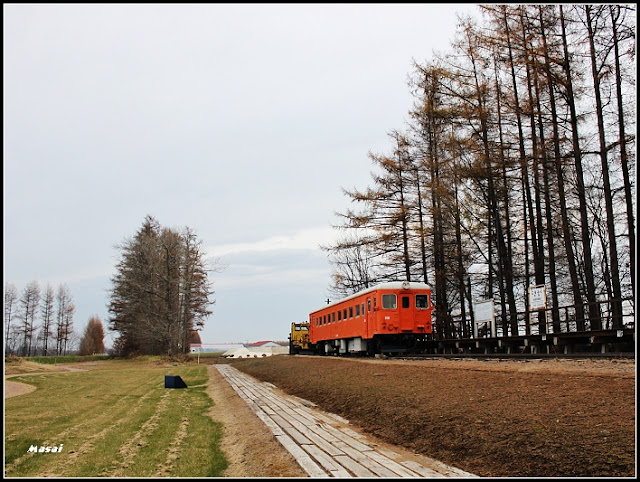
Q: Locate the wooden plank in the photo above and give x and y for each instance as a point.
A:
(322, 431)
(331, 418)
(353, 433)
(360, 457)
(297, 436)
(304, 413)
(420, 469)
(280, 421)
(353, 466)
(346, 438)
(303, 459)
(292, 415)
(389, 462)
(270, 423)
(327, 462)
(317, 437)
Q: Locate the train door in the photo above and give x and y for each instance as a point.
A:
(369, 317)
(422, 312)
(407, 312)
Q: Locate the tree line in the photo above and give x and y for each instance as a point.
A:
(36, 322)
(516, 169)
(160, 294)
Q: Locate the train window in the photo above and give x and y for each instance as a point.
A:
(339, 315)
(344, 314)
(375, 303)
(333, 317)
(422, 302)
(406, 302)
(362, 308)
(369, 305)
(357, 310)
(351, 312)
(389, 302)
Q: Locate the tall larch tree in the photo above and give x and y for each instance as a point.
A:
(48, 316)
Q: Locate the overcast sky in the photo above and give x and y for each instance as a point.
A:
(242, 122)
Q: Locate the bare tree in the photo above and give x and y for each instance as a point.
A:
(10, 301)
(47, 310)
(594, 313)
(64, 319)
(196, 287)
(620, 33)
(353, 264)
(29, 305)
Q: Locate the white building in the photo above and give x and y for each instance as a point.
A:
(214, 347)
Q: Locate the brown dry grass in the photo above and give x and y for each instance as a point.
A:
(17, 366)
(491, 418)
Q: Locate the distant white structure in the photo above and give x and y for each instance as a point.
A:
(239, 350)
(214, 347)
(256, 351)
(263, 344)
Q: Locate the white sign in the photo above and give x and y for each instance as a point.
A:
(483, 310)
(538, 297)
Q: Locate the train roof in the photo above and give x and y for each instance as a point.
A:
(390, 285)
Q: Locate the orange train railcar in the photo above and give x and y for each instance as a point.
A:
(387, 318)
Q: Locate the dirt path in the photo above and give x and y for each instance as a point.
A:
(248, 443)
(13, 389)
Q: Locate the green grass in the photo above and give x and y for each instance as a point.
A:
(115, 420)
(55, 359)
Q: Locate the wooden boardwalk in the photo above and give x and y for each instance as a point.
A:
(322, 443)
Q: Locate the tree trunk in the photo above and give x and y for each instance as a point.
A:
(594, 309)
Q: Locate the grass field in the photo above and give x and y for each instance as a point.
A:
(48, 360)
(115, 419)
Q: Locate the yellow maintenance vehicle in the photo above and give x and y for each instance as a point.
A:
(299, 339)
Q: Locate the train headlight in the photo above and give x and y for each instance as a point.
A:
(406, 285)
